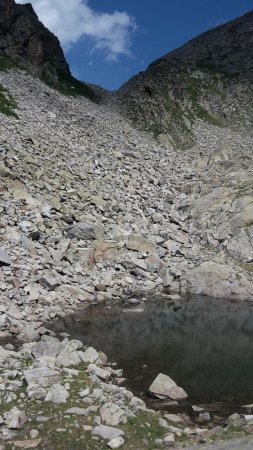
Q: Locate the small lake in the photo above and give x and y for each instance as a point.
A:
(204, 344)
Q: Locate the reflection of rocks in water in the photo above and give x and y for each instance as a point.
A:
(206, 346)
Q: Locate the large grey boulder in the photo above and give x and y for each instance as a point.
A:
(57, 394)
(112, 414)
(16, 419)
(50, 282)
(29, 333)
(50, 348)
(42, 376)
(164, 386)
(140, 244)
(103, 374)
(67, 357)
(217, 280)
(90, 355)
(82, 230)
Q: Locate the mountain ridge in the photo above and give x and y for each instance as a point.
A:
(94, 211)
(245, 26)
(210, 78)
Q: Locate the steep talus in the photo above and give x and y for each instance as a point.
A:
(25, 40)
(92, 209)
(209, 79)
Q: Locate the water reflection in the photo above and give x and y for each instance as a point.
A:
(206, 345)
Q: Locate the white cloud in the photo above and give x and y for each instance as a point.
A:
(72, 20)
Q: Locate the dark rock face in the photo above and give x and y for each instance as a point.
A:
(25, 40)
(209, 78)
(227, 48)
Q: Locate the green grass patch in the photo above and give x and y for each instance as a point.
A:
(70, 86)
(196, 88)
(65, 431)
(66, 84)
(203, 114)
(7, 103)
(155, 129)
(142, 431)
(177, 127)
(247, 267)
(6, 63)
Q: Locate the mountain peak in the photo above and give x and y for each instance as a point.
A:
(25, 40)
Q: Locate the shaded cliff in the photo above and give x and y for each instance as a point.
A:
(25, 40)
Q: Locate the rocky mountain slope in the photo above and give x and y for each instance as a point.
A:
(25, 40)
(92, 209)
(209, 79)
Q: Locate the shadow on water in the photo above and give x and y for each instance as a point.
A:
(204, 344)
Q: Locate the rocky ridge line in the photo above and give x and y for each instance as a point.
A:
(209, 79)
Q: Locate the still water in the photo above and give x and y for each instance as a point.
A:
(204, 344)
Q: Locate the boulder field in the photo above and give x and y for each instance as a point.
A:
(93, 210)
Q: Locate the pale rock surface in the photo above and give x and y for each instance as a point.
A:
(76, 411)
(90, 356)
(57, 394)
(164, 386)
(16, 418)
(112, 414)
(47, 349)
(116, 443)
(27, 443)
(106, 432)
(41, 376)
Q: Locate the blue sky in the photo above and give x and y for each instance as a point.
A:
(107, 47)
